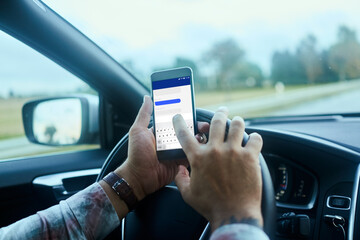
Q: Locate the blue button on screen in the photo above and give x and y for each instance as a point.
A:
(165, 102)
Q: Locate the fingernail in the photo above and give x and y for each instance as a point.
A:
(176, 116)
(224, 110)
(238, 118)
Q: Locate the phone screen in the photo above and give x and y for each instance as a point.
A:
(171, 97)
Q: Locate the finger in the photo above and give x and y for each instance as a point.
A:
(236, 131)
(182, 181)
(144, 115)
(203, 127)
(186, 139)
(172, 168)
(218, 126)
(183, 162)
(254, 144)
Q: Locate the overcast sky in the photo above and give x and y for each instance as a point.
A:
(143, 29)
(151, 33)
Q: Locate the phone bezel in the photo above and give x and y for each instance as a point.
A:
(169, 74)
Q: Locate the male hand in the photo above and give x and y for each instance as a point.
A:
(225, 184)
(142, 169)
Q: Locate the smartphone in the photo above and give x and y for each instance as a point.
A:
(172, 93)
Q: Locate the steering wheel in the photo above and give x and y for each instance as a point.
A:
(165, 215)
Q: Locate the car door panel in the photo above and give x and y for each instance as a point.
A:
(32, 184)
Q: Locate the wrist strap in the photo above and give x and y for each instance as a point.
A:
(122, 189)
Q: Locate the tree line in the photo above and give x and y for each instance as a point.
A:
(306, 65)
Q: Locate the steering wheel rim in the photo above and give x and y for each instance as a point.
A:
(119, 154)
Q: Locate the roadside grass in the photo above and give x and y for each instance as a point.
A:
(214, 97)
(54, 150)
(10, 118)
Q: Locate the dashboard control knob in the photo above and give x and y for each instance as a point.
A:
(293, 225)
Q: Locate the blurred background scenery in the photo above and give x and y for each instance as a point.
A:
(259, 58)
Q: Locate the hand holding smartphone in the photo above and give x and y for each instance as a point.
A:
(172, 93)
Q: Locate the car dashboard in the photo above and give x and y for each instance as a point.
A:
(314, 164)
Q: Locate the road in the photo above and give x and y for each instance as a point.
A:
(344, 102)
(272, 104)
(332, 98)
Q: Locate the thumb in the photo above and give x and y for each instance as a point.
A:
(182, 180)
(144, 114)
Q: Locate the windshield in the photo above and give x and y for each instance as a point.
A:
(258, 58)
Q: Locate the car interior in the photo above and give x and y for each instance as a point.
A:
(310, 163)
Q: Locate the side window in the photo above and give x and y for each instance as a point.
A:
(27, 75)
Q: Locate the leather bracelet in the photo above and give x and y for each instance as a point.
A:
(122, 189)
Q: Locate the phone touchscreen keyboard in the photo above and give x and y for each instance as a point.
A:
(166, 138)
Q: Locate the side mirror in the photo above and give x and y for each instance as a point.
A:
(61, 121)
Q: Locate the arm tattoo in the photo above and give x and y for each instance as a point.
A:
(250, 221)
